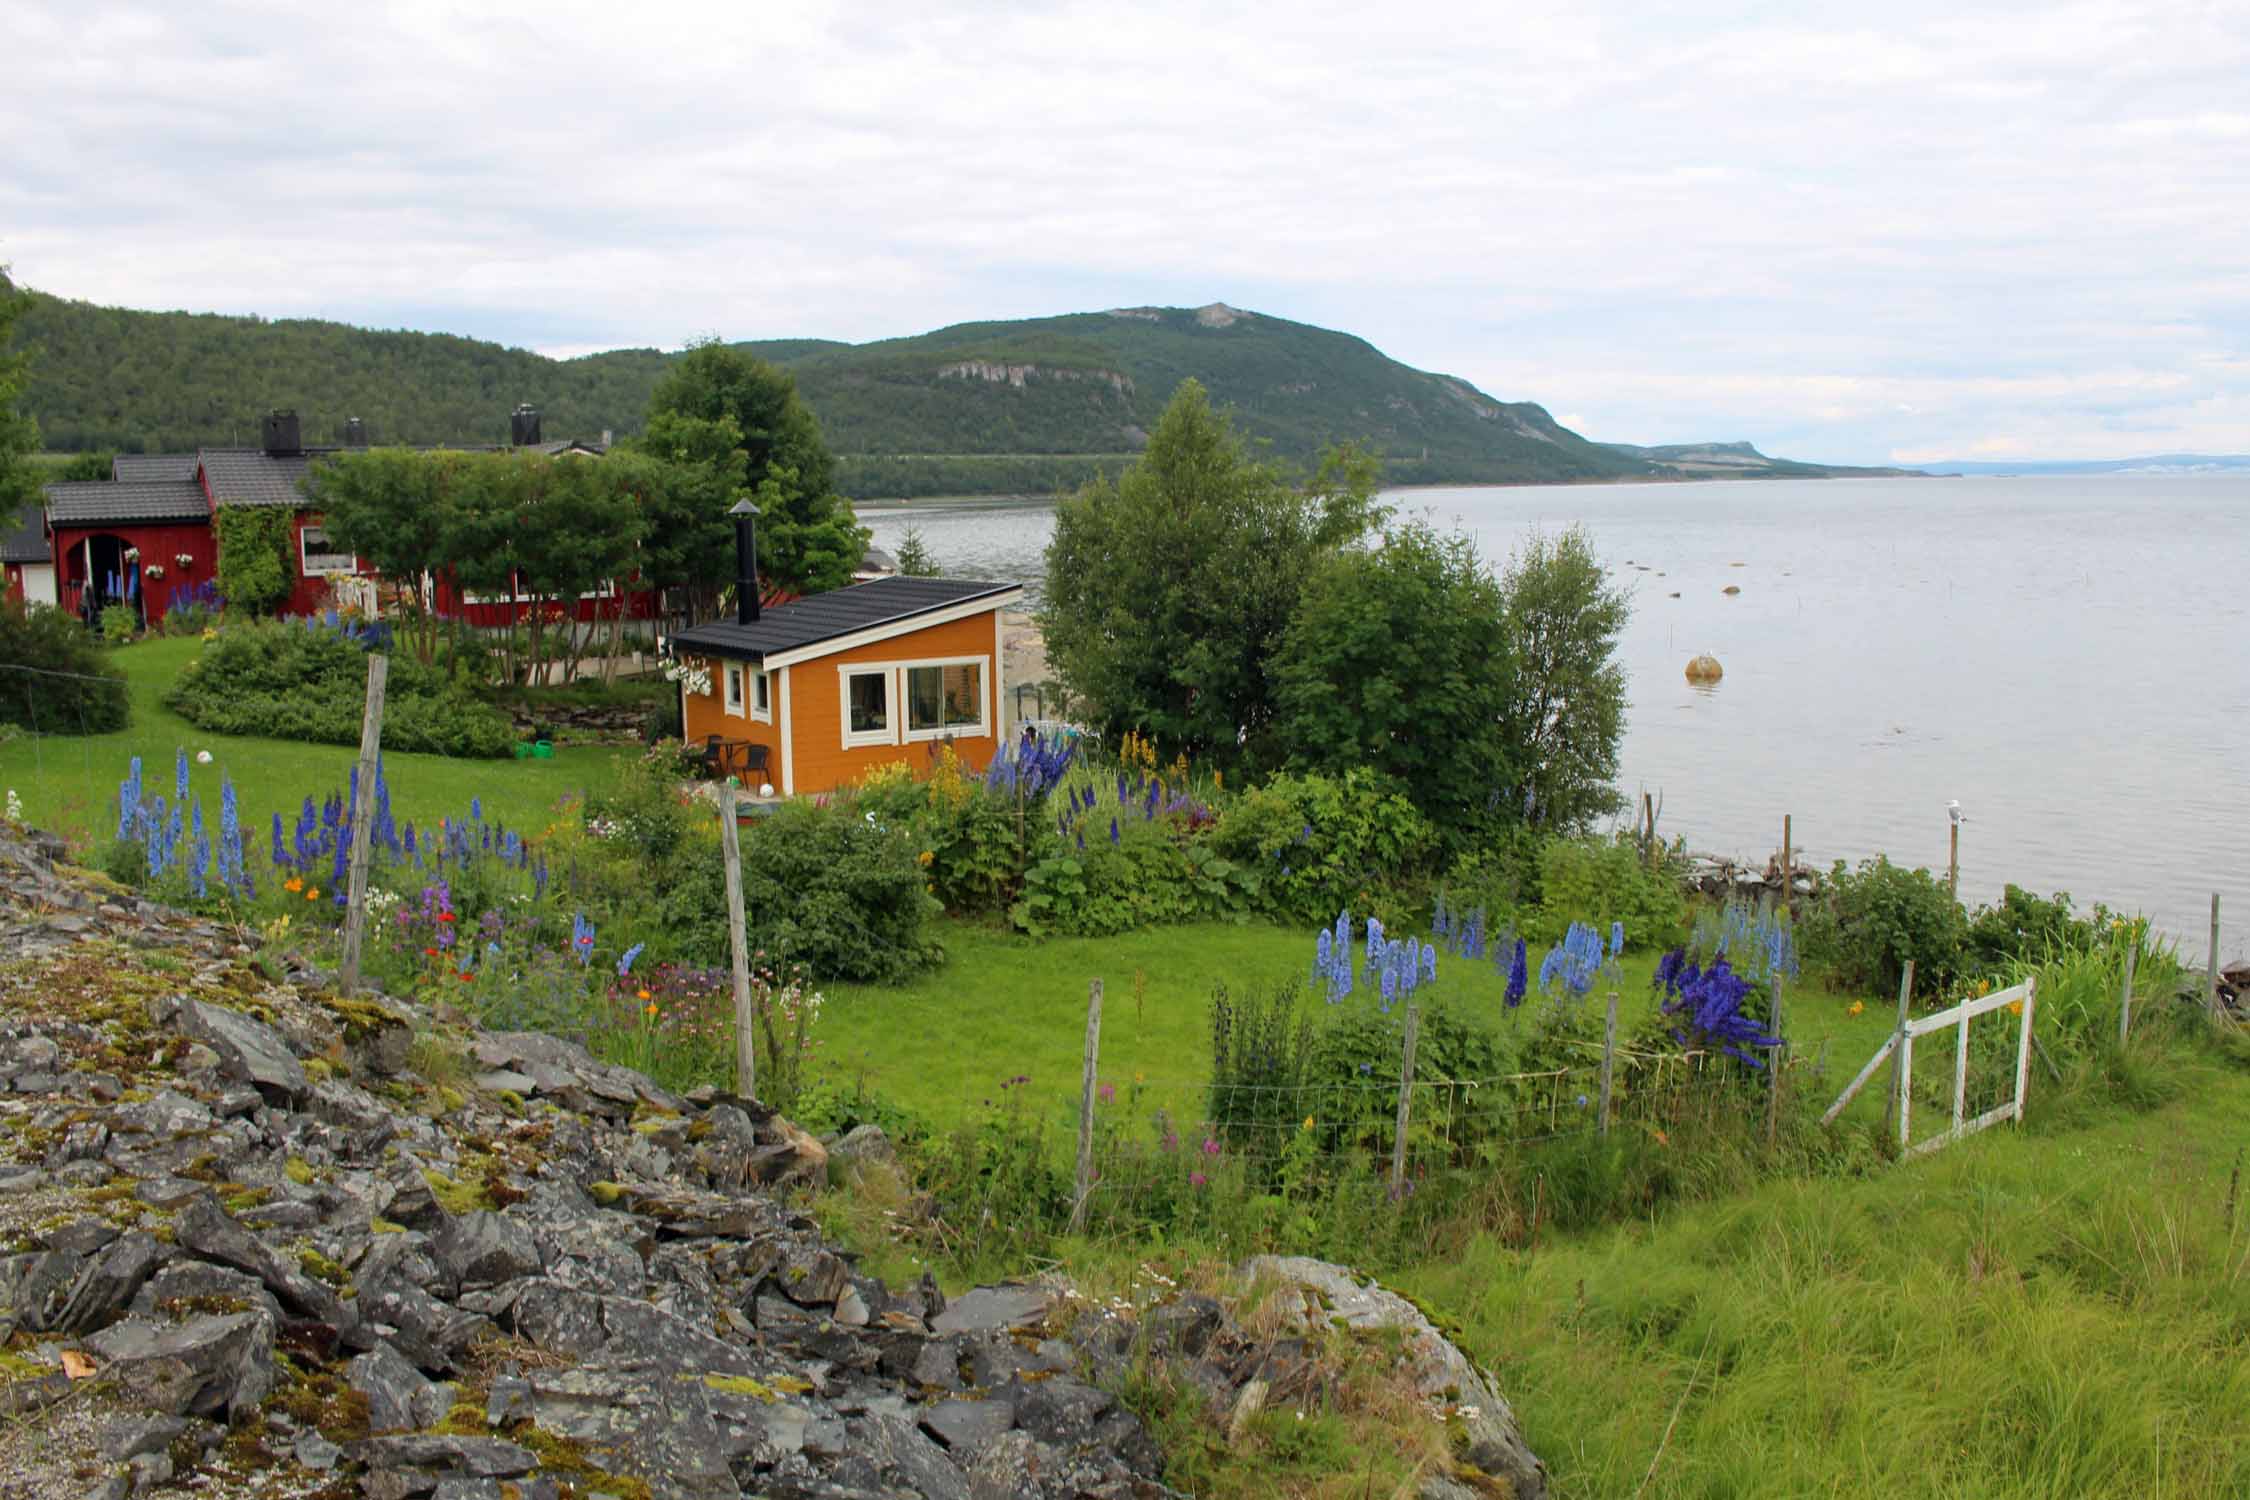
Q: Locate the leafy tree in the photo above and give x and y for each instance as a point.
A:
(257, 556)
(19, 434)
(1168, 590)
(86, 468)
(390, 507)
(808, 538)
(914, 559)
(690, 543)
(1566, 710)
(1397, 659)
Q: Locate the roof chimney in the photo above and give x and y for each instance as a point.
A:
(523, 427)
(280, 431)
(745, 562)
(355, 433)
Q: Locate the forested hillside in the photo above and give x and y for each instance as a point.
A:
(1028, 406)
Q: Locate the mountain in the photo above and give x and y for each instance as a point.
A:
(977, 408)
(2161, 463)
(1742, 461)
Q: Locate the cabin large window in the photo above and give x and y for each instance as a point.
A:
(318, 557)
(945, 698)
(761, 697)
(734, 691)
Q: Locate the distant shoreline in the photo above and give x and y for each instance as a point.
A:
(905, 502)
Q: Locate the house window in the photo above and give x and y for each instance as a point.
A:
(867, 707)
(734, 691)
(319, 558)
(761, 697)
(945, 698)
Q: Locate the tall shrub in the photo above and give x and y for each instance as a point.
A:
(1566, 709)
(53, 679)
(257, 556)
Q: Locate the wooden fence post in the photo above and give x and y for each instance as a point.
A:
(745, 1024)
(2211, 964)
(1609, 1056)
(1953, 862)
(1961, 1069)
(1900, 1079)
(1086, 1108)
(2125, 996)
(363, 818)
(1788, 865)
(1405, 1093)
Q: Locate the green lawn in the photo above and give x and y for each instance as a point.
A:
(1004, 1006)
(68, 783)
(2058, 1310)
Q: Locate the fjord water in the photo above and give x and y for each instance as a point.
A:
(2068, 657)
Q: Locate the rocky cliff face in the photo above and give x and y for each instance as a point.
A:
(269, 1241)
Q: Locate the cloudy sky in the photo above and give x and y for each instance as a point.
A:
(1912, 231)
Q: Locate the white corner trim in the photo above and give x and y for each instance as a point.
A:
(788, 735)
(968, 609)
(1000, 727)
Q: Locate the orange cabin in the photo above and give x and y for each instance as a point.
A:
(831, 686)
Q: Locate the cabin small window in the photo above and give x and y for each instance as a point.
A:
(867, 707)
(319, 558)
(945, 698)
(734, 691)
(761, 697)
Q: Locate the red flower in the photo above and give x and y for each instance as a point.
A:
(431, 952)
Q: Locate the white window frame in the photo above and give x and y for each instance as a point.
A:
(981, 729)
(305, 555)
(867, 738)
(732, 688)
(761, 697)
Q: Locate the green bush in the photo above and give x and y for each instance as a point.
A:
(257, 555)
(119, 624)
(88, 695)
(2024, 926)
(1600, 881)
(1322, 843)
(295, 681)
(821, 886)
(1869, 922)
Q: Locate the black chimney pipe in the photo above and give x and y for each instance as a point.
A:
(355, 433)
(279, 436)
(745, 562)
(523, 426)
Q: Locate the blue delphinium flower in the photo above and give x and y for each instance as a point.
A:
(476, 809)
(1616, 939)
(1113, 836)
(129, 802)
(625, 964)
(581, 938)
(1518, 975)
(180, 775)
(1429, 964)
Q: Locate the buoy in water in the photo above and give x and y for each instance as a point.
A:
(1732, 588)
(1705, 668)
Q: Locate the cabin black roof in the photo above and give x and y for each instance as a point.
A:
(141, 467)
(27, 542)
(105, 503)
(252, 476)
(817, 618)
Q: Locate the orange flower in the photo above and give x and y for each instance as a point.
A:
(651, 1008)
(1857, 1007)
(312, 893)
(642, 993)
(293, 884)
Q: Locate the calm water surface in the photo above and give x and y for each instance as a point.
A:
(2070, 657)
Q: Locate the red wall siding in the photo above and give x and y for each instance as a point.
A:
(159, 544)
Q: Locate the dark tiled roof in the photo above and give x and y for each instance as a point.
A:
(98, 504)
(140, 467)
(840, 612)
(251, 476)
(27, 543)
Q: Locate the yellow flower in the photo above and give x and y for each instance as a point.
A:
(2015, 1007)
(1984, 988)
(1308, 1123)
(1140, 1078)
(1857, 1007)
(926, 857)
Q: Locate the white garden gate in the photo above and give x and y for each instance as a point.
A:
(1900, 1045)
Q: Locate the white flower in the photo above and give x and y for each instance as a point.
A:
(15, 806)
(203, 757)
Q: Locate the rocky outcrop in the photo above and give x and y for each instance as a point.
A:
(291, 1266)
(995, 372)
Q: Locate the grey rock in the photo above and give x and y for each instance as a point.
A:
(128, 1437)
(316, 1452)
(249, 1051)
(1315, 1294)
(1059, 1412)
(80, 1236)
(483, 1249)
(203, 1227)
(235, 1103)
(83, 1174)
(898, 1454)
(116, 1487)
(506, 1081)
(167, 1113)
(938, 1365)
(993, 1308)
(41, 1286)
(109, 1283)
(479, 1457)
(149, 1470)
(391, 1385)
(537, 1487)
(20, 1179)
(559, 1319)
(202, 1367)
(851, 1308)
(168, 1192)
(1006, 1468)
(367, 1125)
(862, 1145)
(508, 1400)
(197, 1281)
(660, 1427)
(1184, 1326)
(432, 1334)
(643, 1336)
(962, 1425)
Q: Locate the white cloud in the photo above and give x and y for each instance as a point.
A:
(2024, 223)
